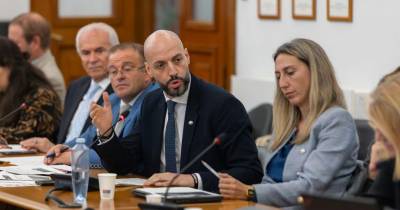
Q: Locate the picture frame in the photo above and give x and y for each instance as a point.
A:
(340, 10)
(269, 9)
(304, 9)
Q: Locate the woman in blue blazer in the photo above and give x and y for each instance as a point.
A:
(315, 143)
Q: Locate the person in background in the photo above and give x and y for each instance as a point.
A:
(384, 117)
(315, 144)
(31, 32)
(21, 82)
(131, 84)
(378, 149)
(93, 43)
(177, 122)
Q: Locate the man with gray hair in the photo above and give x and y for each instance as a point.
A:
(31, 32)
(93, 43)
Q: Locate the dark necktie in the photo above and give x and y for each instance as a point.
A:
(170, 156)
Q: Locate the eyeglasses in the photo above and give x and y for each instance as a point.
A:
(123, 70)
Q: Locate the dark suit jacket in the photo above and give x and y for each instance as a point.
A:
(76, 91)
(384, 189)
(212, 111)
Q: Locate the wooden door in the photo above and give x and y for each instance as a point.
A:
(132, 19)
(209, 38)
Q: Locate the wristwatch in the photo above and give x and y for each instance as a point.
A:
(251, 194)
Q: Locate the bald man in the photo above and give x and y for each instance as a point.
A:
(31, 32)
(178, 122)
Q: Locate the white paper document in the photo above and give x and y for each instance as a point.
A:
(130, 181)
(24, 161)
(15, 149)
(172, 190)
(12, 180)
(31, 170)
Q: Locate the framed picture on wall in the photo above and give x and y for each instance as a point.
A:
(269, 9)
(304, 9)
(340, 10)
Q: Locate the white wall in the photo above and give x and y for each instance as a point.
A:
(11, 8)
(361, 51)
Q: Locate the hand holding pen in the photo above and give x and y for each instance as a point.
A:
(53, 156)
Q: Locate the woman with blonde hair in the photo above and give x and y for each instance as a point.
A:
(315, 143)
(384, 116)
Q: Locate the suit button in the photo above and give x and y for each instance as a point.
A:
(302, 150)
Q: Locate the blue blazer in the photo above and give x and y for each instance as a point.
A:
(210, 111)
(75, 92)
(322, 164)
(91, 133)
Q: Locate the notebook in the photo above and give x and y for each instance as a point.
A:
(318, 202)
(180, 194)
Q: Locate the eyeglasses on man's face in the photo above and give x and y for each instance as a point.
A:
(126, 68)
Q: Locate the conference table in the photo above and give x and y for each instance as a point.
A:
(33, 198)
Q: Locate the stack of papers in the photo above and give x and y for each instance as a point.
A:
(130, 182)
(26, 171)
(16, 149)
(12, 180)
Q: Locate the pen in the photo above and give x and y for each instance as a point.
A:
(52, 155)
(210, 168)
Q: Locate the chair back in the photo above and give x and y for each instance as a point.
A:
(261, 119)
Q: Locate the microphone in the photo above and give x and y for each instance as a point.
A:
(121, 118)
(20, 107)
(217, 141)
(171, 206)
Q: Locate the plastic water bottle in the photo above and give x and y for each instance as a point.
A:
(80, 171)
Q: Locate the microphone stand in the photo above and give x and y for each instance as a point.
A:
(171, 206)
(20, 107)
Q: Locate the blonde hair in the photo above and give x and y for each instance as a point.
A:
(384, 114)
(324, 91)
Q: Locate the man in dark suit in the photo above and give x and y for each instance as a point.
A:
(180, 120)
(93, 42)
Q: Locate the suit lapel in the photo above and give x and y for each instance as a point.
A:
(135, 110)
(192, 111)
(78, 97)
(157, 121)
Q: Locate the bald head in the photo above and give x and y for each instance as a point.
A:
(161, 37)
(167, 61)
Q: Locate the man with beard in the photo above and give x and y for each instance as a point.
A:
(179, 121)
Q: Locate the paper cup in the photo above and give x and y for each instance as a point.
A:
(107, 185)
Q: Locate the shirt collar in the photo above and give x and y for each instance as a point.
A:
(183, 98)
(103, 83)
(42, 58)
(132, 101)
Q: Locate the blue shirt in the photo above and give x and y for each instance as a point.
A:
(275, 167)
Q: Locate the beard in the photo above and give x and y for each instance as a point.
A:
(175, 92)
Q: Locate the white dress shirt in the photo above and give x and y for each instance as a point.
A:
(82, 112)
(180, 112)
